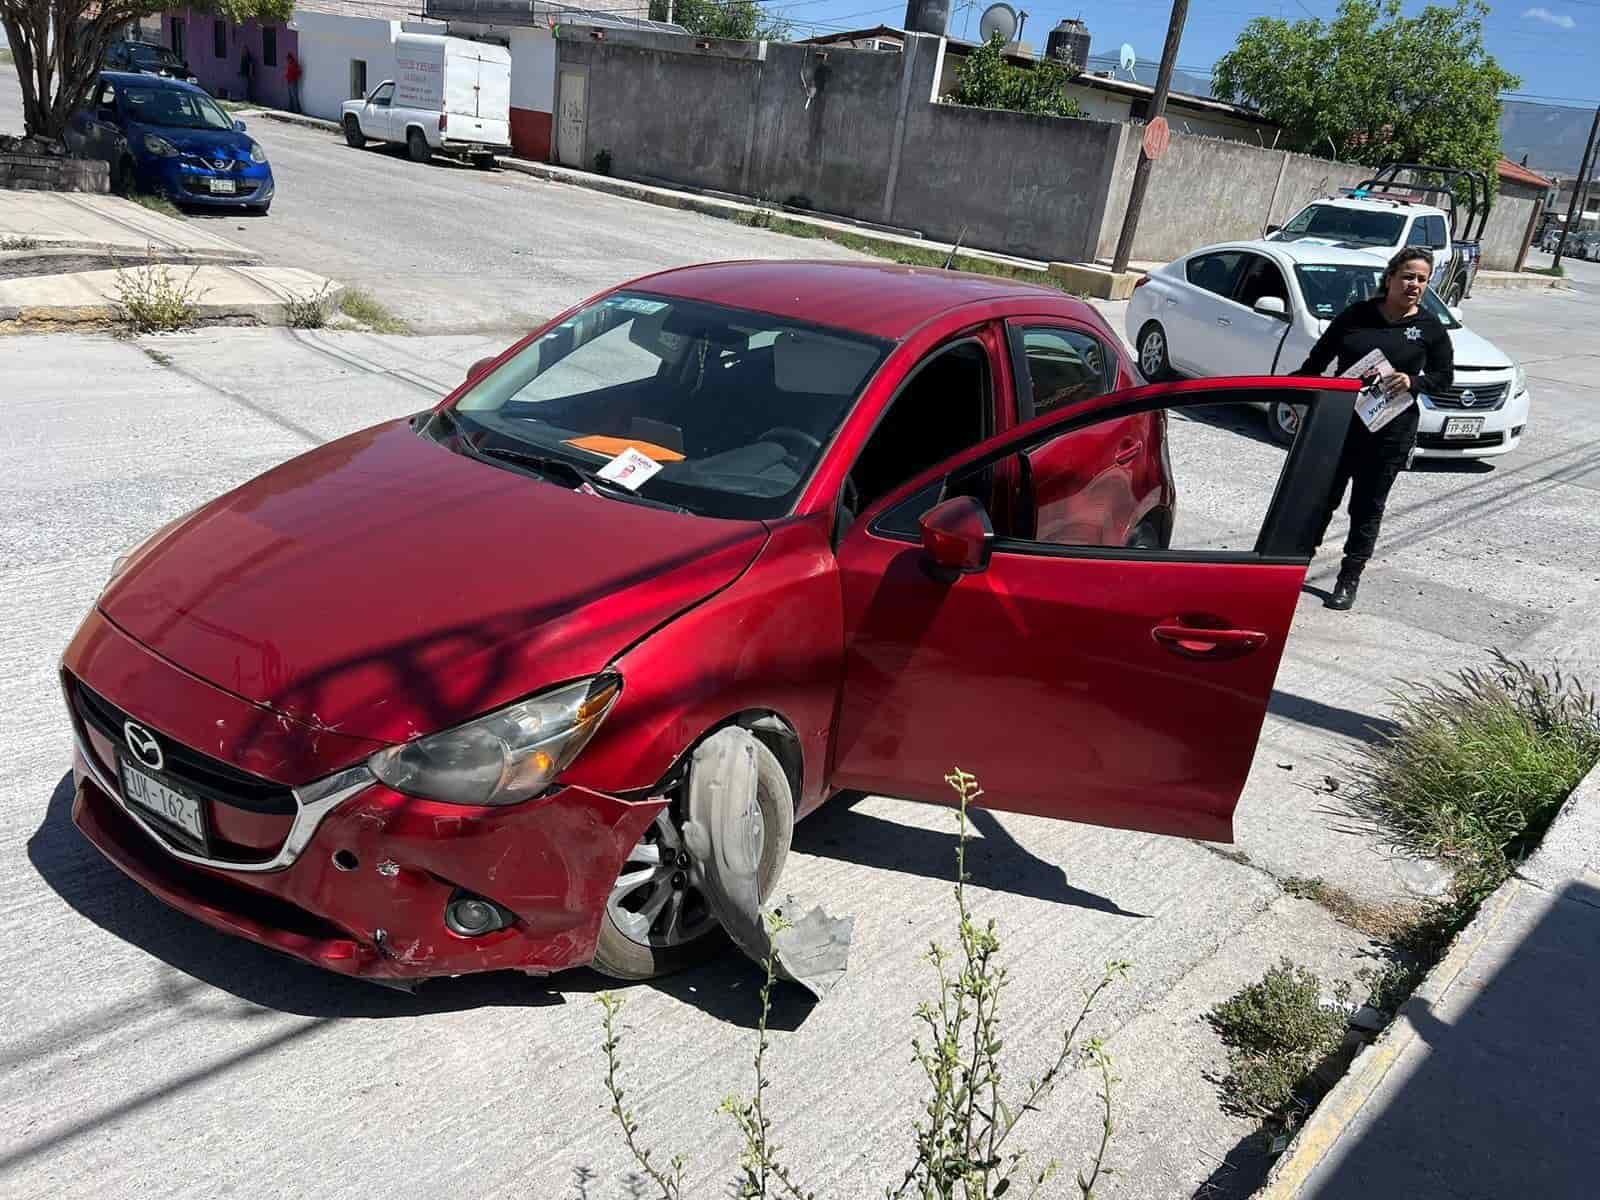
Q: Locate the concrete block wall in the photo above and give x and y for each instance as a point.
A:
(1508, 225)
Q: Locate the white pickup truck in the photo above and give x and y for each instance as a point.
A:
(450, 95)
(1394, 209)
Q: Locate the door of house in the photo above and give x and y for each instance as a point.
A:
(572, 118)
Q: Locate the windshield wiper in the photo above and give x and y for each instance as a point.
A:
(549, 465)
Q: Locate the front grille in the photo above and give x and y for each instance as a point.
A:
(1486, 397)
(1437, 441)
(216, 781)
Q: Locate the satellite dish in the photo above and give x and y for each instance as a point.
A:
(998, 18)
(1128, 59)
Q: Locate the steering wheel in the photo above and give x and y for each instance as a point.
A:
(789, 438)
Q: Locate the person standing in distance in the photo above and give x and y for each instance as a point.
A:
(1418, 348)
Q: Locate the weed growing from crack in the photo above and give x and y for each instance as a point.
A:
(363, 306)
(151, 299)
(309, 312)
(960, 1148)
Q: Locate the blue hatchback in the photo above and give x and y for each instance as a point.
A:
(168, 137)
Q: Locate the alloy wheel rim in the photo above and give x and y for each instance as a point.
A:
(1287, 418)
(655, 901)
(1151, 353)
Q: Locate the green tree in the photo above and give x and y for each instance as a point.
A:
(987, 80)
(1374, 85)
(739, 20)
(57, 47)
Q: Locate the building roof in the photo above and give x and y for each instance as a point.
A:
(383, 10)
(1516, 173)
(607, 14)
(1100, 83)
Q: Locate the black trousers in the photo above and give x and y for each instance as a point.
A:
(1368, 468)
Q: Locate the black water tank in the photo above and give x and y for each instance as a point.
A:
(927, 16)
(1068, 43)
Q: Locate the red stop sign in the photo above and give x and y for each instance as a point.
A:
(1157, 137)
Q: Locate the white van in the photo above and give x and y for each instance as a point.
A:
(450, 94)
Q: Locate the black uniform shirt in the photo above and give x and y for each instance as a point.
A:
(1417, 345)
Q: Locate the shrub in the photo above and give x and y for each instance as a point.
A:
(309, 312)
(151, 299)
(1278, 1031)
(960, 1146)
(363, 306)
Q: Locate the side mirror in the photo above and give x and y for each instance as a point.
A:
(1273, 306)
(238, 126)
(479, 367)
(1270, 230)
(958, 535)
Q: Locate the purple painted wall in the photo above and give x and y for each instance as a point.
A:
(220, 76)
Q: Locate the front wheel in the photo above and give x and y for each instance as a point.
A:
(1283, 422)
(657, 919)
(1153, 360)
(417, 146)
(123, 176)
(352, 133)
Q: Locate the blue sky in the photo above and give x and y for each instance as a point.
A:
(1552, 44)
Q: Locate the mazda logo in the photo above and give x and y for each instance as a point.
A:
(144, 745)
(1468, 398)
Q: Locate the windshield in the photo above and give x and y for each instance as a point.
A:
(730, 409)
(154, 56)
(171, 109)
(1330, 288)
(1344, 225)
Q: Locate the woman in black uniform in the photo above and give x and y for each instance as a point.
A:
(1419, 350)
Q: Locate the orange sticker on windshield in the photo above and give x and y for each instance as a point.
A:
(613, 446)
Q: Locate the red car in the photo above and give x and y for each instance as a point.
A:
(426, 700)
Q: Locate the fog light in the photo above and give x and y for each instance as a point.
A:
(473, 916)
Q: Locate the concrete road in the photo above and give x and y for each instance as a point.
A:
(145, 1056)
(454, 249)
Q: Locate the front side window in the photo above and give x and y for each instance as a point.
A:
(1357, 226)
(170, 108)
(732, 408)
(1261, 279)
(383, 96)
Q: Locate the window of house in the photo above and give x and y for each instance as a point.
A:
(219, 38)
(358, 78)
(177, 36)
(269, 46)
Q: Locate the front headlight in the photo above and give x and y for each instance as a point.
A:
(159, 145)
(257, 154)
(1519, 382)
(506, 756)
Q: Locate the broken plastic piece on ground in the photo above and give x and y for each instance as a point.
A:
(725, 833)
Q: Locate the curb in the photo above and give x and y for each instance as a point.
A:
(23, 318)
(1518, 281)
(1320, 1135)
(287, 118)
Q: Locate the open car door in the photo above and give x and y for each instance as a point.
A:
(1110, 660)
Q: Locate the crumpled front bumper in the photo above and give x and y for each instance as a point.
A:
(366, 892)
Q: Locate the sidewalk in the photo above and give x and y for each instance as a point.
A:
(81, 221)
(255, 295)
(1488, 1082)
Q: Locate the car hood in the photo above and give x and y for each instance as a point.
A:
(1474, 351)
(203, 143)
(386, 587)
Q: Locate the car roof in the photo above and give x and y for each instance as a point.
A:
(1301, 252)
(137, 79)
(884, 300)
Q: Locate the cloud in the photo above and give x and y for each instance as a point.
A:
(1559, 20)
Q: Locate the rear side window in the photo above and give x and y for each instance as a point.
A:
(1215, 272)
(1060, 367)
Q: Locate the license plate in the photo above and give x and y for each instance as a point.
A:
(1462, 427)
(224, 187)
(183, 813)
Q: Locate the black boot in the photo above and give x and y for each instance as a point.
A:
(1344, 592)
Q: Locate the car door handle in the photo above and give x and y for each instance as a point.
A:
(1126, 454)
(1172, 300)
(1224, 321)
(1196, 641)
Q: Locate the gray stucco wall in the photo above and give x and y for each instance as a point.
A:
(1508, 225)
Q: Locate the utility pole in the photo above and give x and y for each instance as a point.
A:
(1580, 184)
(1158, 106)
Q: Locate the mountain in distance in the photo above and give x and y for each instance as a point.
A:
(1552, 137)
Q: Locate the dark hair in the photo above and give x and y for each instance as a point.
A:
(1409, 254)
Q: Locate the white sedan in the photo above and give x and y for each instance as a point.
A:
(1256, 308)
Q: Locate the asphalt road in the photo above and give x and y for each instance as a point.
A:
(142, 1055)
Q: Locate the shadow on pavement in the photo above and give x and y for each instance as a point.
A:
(1302, 710)
(725, 988)
(995, 860)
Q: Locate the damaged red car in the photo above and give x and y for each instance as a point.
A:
(427, 700)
